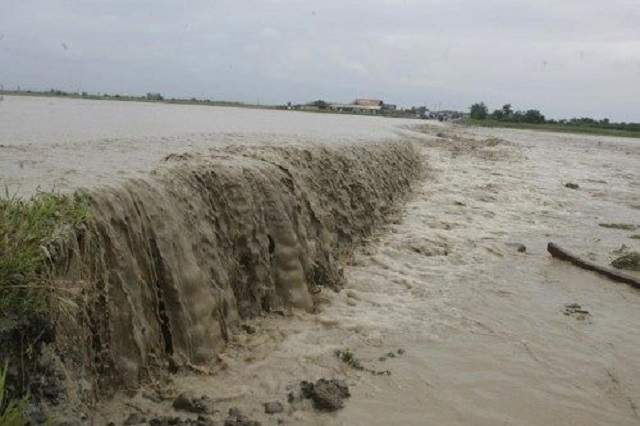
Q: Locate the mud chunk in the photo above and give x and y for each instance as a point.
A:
(204, 421)
(273, 407)
(630, 261)
(236, 418)
(187, 401)
(349, 358)
(520, 248)
(327, 395)
(572, 185)
(134, 419)
(177, 421)
(575, 310)
(249, 329)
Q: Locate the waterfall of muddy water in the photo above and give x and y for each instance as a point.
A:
(167, 265)
(174, 261)
(486, 335)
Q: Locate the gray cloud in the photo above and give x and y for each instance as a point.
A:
(575, 57)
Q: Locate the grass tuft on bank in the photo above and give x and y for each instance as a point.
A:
(548, 127)
(26, 228)
(11, 410)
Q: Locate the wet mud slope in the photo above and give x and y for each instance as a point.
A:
(167, 265)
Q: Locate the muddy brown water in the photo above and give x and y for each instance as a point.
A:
(485, 332)
(62, 144)
(483, 327)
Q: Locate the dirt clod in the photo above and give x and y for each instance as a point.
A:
(187, 401)
(520, 248)
(273, 407)
(236, 418)
(249, 329)
(177, 421)
(572, 185)
(350, 359)
(326, 394)
(575, 310)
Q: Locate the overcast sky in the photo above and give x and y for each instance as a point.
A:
(565, 57)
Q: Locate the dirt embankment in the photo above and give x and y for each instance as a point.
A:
(166, 266)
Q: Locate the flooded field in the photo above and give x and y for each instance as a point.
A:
(472, 329)
(62, 144)
(453, 313)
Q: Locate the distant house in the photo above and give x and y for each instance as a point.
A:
(369, 103)
(154, 97)
(363, 106)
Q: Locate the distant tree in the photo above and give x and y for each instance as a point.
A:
(320, 104)
(517, 116)
(533, 116)
(507, 110)
(497, 114)
(479, 111)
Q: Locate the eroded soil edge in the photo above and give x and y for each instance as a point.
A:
(160, 275)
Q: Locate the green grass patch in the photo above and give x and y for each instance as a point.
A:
(26, 228)
(562, 128)
(11, 410)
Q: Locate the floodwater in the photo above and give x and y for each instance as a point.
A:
(62, 144)
(485, 333)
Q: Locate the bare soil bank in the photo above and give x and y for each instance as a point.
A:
(160, 275)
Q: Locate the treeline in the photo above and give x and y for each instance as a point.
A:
(479, 111)
(149, 97)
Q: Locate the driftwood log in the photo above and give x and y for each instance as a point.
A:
(560, 253)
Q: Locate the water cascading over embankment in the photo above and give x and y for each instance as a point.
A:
(167, 265)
